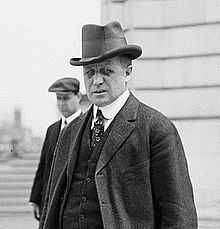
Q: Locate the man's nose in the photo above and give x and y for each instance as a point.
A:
(98, 79)
(61, 102)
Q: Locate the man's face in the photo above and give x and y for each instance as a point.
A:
(105, 81)
(67, 103)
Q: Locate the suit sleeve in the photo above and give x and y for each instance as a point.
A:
(37, 187)
(171, 185)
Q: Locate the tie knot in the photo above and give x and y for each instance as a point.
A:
(65, 122)
(99, 114)
(99, 117)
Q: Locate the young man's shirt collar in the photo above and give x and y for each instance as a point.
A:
(70, 118)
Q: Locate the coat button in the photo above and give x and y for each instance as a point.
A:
(100, 174)
(88, 179)
(102, 202)
(84, 198)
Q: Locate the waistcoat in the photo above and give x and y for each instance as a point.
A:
(82, 209)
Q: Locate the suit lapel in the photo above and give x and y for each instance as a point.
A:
(57, 129)
(54, 135)
(123, 125)
(60, 162)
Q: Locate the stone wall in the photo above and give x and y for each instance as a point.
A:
(179, 74)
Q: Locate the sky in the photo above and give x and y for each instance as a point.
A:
(37, 40)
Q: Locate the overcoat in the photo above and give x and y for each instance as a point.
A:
(44, 164)
(42, 174)
(141, 177)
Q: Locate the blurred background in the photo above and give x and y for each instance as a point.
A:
(178, 73)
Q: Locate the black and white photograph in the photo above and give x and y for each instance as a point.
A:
(110, 114)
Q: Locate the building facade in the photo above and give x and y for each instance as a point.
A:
(179, 74)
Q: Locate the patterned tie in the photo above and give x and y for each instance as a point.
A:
(98, 129)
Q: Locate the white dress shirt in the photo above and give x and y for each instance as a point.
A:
(70, 118)
(110, 111)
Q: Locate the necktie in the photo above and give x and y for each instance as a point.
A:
(62, 130)
(65, 124)
(98, 129)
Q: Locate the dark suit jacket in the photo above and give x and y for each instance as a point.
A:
(44, 165)
(42, 174)
(141, 176)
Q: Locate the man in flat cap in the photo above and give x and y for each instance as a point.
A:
(68, 98)
(126, 167)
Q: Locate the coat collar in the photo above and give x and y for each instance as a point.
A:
(54, 133)
(111, 110)
(62, 155)
(123, 126)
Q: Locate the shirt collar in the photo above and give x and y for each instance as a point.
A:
(111, 110)
(71, 117)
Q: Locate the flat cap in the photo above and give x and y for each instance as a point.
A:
(66, 84)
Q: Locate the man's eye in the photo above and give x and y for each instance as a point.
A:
(90, 73)
(62, 98)
(106, 71)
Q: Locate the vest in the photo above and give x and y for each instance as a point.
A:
(82, 210)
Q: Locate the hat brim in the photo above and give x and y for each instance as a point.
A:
(133, 51)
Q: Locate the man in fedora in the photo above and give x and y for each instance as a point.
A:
(125, 167)
(68, 98)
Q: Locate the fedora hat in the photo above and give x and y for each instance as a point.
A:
(102, 42)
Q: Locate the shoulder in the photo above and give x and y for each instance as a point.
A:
(160, 131)
(54, 126)
(84, 116)
(157, 121)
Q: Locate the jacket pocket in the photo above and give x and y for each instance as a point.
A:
(136, 192)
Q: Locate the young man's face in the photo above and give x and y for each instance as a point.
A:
(105, 81)
(67, 103)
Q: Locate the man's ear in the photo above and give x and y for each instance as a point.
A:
(128, 73)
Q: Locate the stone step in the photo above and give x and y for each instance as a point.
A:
(18, 201)
(15, 185)
(4, 167)
(31, 156)
(14, 193)
(9, 210)
(19, 170)
(16, 178)
(23, 163)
